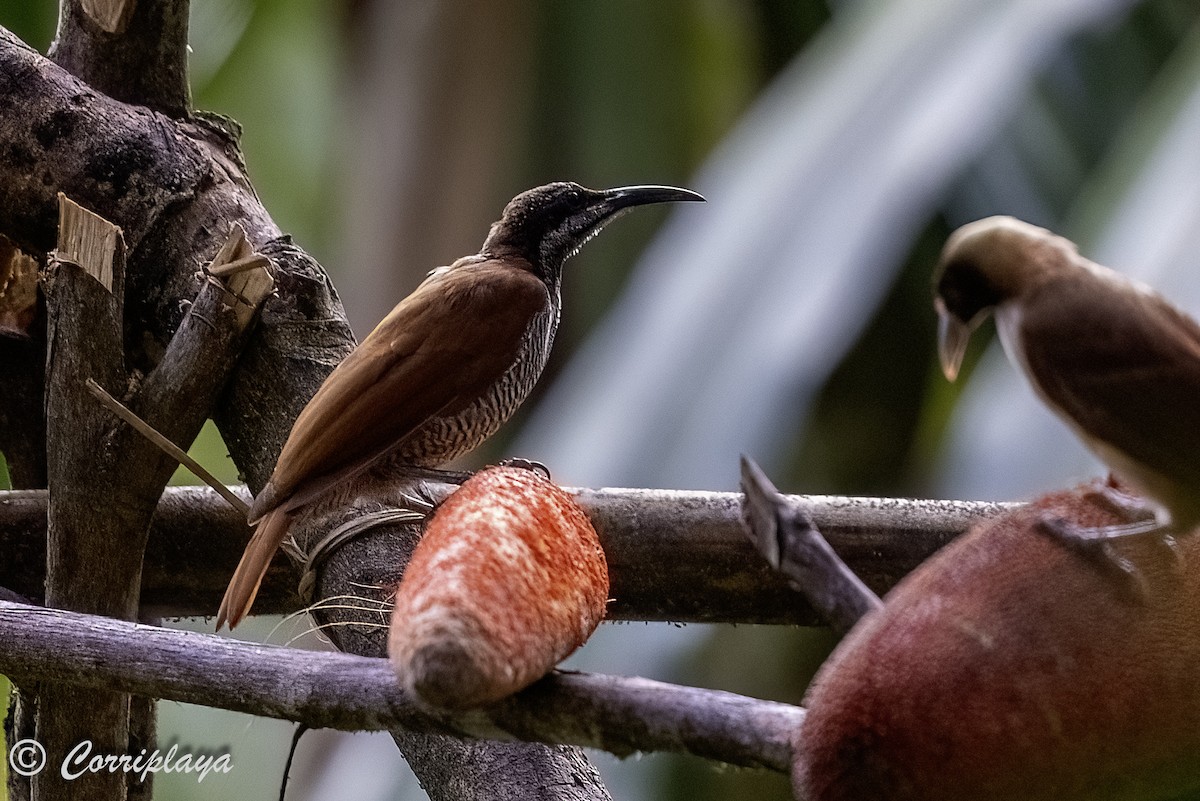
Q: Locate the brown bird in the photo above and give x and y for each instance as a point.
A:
(1111, 357)
(444, 369)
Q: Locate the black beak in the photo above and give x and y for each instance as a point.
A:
(614, 201)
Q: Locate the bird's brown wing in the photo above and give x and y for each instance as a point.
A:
(436, 352)
(1124, 365)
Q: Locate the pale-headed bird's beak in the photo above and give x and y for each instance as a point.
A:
(953, 336)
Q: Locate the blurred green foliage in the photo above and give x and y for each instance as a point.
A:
(278, 78)
(32, 20)
(689, 69)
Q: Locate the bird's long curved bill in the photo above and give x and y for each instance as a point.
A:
(953, 336)
(625, 197)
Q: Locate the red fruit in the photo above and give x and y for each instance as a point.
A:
(508, 580)
(1009, 667)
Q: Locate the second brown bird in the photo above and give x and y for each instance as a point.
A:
(1114, 359)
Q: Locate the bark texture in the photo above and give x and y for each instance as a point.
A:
(673, 556)
(345, 691)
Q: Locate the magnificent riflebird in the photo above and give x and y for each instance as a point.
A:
(442, 371)
(1110, 356)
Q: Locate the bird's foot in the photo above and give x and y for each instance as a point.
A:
(1132, 508)
(527, 464)
(1141, 520)
(1098, 544)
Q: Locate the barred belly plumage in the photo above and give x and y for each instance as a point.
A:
(441, 439)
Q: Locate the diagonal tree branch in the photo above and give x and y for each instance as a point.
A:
(792, 543)
(344, 691)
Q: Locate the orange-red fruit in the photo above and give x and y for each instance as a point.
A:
(508, 580)
(1011, 667)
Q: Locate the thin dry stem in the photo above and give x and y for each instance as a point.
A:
(168, 447)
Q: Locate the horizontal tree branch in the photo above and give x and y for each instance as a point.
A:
(673, 555)
(344, 691)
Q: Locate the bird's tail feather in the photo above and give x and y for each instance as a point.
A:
(243, 587)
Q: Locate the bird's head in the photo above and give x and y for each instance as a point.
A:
(984, 264)
(549, 224)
